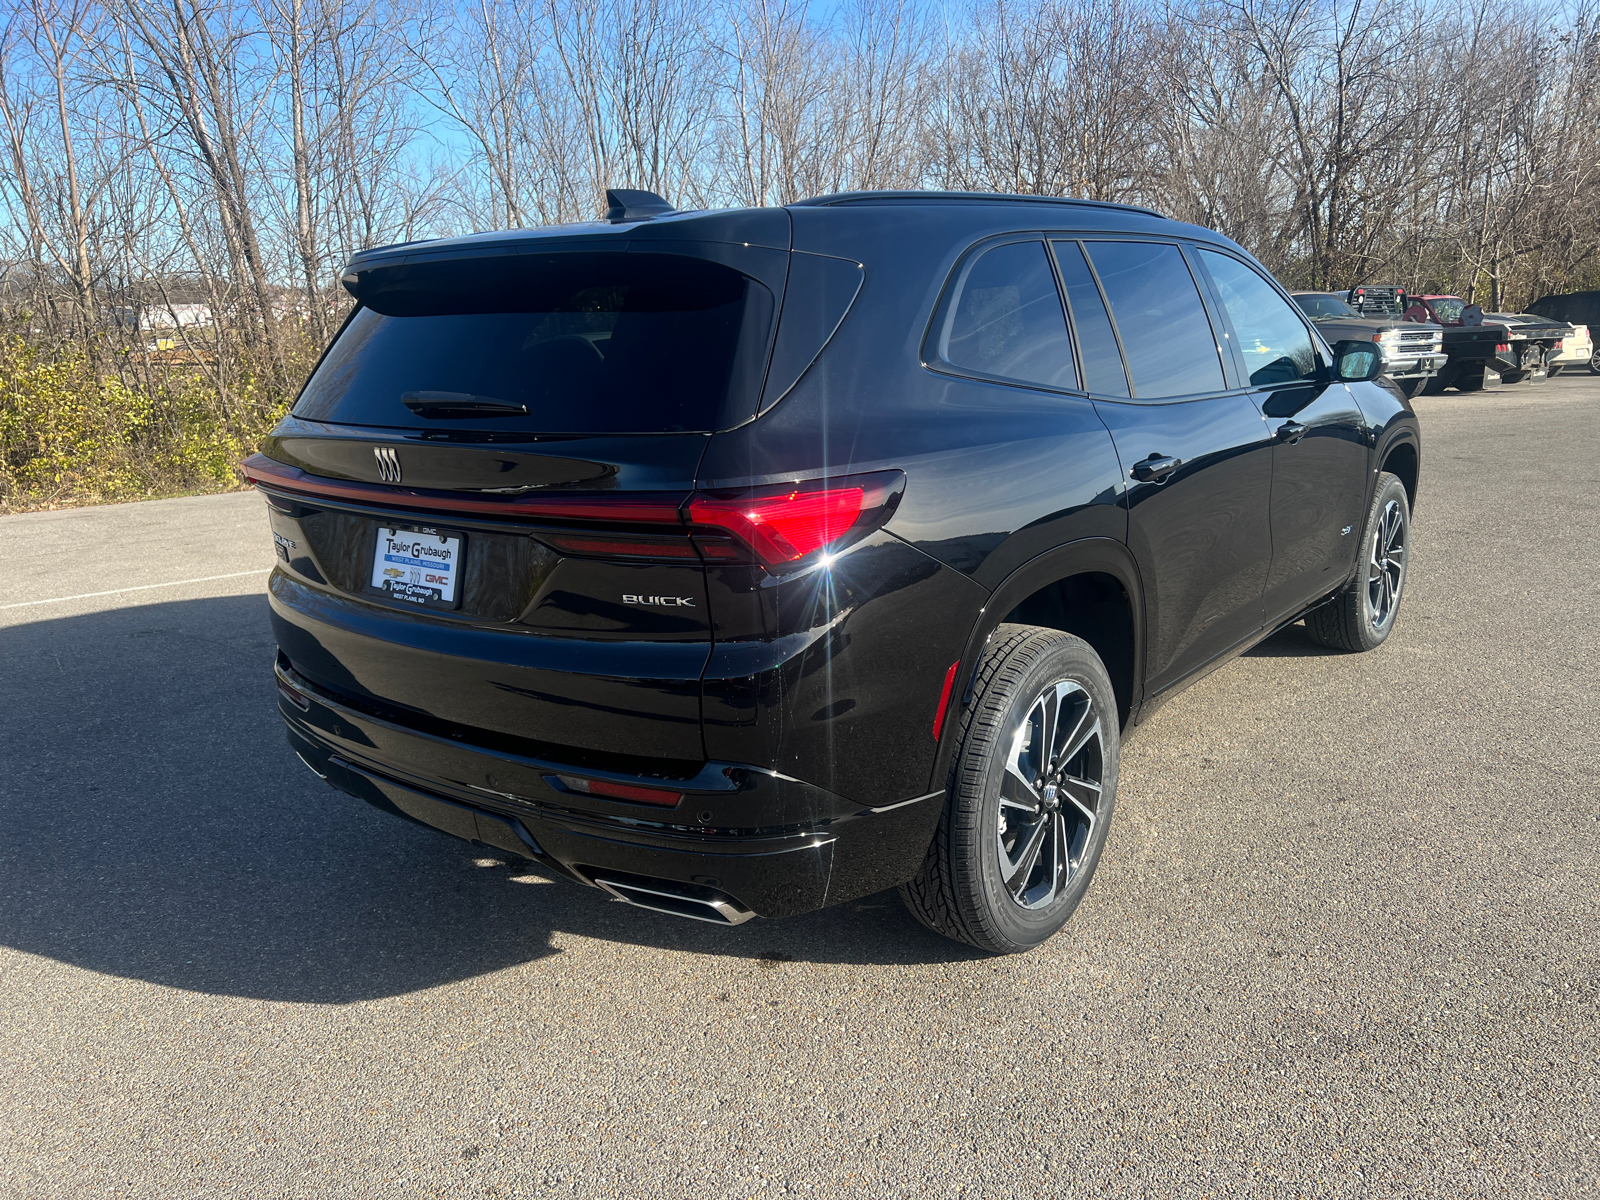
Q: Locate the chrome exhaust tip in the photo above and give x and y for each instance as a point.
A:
(675, 899)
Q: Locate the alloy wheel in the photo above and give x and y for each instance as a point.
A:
(1386, 566)
(1050, 795)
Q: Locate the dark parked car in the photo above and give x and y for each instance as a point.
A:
(1412, 353)
(741, 563)
(1575, 308)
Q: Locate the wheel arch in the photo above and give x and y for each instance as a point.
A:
(1402, 456)
(1089, 588)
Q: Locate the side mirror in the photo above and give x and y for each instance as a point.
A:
(1357, 362)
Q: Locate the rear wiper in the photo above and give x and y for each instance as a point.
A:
(459, 404)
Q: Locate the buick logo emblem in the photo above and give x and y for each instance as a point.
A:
(388, 463)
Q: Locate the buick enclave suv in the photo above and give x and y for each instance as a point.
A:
(741, 563)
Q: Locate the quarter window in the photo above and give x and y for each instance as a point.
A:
(1166, 334)
(1271, 336)
(1008, 321)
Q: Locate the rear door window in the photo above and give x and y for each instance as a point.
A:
(1269, 333)
(583, 343)
(1007, 321)
(1166, 335)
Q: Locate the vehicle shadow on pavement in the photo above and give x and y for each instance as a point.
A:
(1292, 641)
(155, 825)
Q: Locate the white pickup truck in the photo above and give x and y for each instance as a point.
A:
(1413, 351)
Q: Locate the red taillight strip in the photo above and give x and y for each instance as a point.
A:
(944, 698)
(613, 546)
(651, 509)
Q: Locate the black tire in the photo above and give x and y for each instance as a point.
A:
(1411, 388)
(1363, 615)
(1554, 369)
(1594, 360)
(1028, 676)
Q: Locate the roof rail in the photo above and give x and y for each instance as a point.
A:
(840, 198)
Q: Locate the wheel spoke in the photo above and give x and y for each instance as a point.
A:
(1049, 706)
(1082, 795)
(1022, 866)
(1086, 727)
(1061, 865)
(1017, 791)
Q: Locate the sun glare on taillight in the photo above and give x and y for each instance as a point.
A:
(789, 525)
(784, 528)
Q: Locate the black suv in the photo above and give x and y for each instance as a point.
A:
(742, 563)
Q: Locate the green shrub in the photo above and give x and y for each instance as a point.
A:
(73, 431)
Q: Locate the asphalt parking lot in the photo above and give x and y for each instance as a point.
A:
(1345, 940)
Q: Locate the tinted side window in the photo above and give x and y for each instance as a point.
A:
(1273, 339)
(1008, 319)
(1165, 332)
(1097, 345)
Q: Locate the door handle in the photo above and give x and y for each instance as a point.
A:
(1291, 432)
(1156, 468)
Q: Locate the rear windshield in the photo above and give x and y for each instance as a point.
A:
(584, 343)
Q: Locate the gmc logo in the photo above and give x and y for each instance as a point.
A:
(664, 601)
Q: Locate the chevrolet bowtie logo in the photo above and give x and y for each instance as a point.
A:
(388, 463)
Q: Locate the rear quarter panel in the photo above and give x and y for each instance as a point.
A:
(995, 476)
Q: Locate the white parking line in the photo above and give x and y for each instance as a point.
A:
(141, 588)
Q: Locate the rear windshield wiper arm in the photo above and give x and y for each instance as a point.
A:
(459, 404)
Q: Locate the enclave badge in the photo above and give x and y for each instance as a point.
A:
(388, 463)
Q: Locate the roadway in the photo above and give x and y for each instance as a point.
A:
(1344, 941)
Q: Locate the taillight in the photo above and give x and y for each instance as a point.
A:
(786, 526)
(619, 791)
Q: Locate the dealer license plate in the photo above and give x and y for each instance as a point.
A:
(419, 566)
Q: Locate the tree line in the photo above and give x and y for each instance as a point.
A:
(230, 155)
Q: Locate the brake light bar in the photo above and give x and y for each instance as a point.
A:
(642, 508)
(785, 526)
(789, 525)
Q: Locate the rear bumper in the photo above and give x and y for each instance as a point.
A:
(771, 845)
